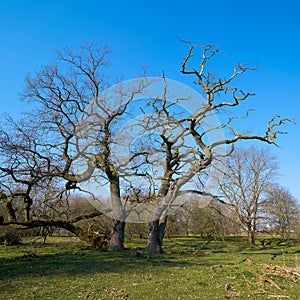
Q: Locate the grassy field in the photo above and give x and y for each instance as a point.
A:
(191, 268)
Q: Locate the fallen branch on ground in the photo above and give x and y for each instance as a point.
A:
(281, 270)
(265, 279)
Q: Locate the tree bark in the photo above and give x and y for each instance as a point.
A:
(117, 236)
(251, 236)
(153, 242)
(11, 213)
(161, 232)
(156, 235)
(118, 228)
(28, 203)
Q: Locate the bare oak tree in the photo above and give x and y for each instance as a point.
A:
(182, 164)
(71, 138)
(71, 128)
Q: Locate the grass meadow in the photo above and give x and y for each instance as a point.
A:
(191, 268)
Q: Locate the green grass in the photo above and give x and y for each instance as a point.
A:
(191, 268)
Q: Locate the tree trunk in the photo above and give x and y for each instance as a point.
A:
(284, 229)
(157, 227)
(11, 213)
(153, 243)
(117, 236)
(28, 203)
(161, 231)
(156, 235)
(118, 228)
(251, 237)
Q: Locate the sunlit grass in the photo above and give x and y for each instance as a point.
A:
(192, 268)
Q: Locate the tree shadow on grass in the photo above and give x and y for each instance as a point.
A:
(77, 260)
(83, 263)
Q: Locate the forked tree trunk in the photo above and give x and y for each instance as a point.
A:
(156, 228)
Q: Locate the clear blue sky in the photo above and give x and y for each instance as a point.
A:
(144, 33)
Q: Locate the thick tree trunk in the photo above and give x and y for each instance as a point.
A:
(161, 232)
(118, 228)
(117, 236)
(156, 235)
(153, 242)
(156, 228)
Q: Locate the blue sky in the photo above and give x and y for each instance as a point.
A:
(145, 33)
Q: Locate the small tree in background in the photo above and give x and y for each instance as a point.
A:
(282, 211)
(249, 174)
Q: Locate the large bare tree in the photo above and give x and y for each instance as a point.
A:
(249, 174)
(183, 163)
(78, 131)
(72, 127)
